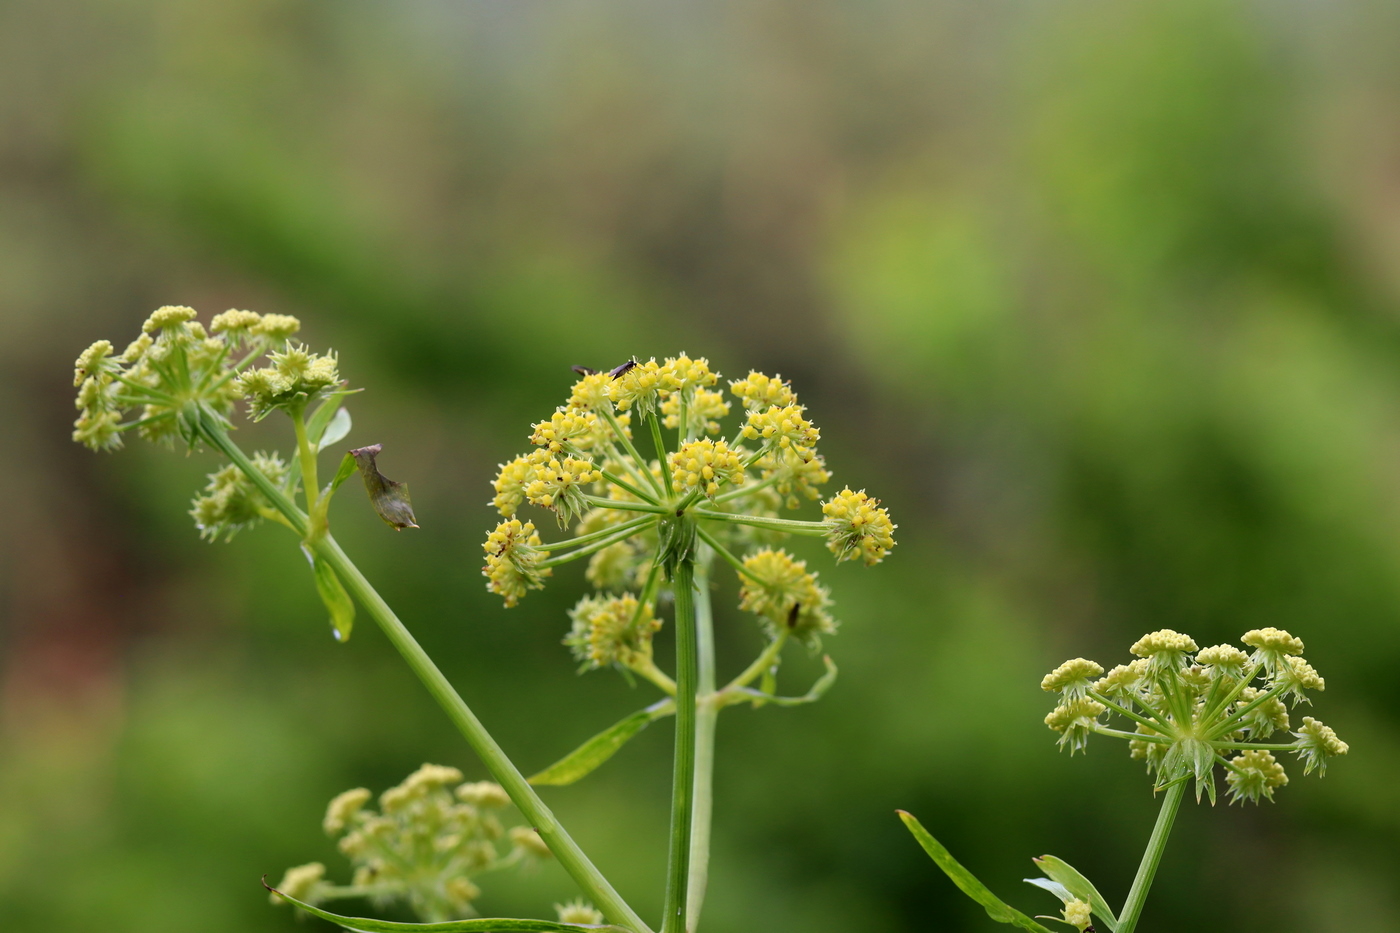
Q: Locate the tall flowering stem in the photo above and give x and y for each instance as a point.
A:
(1151, 858)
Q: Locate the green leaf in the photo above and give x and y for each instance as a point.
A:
(368, 925)
(335, 431)
(1061, 871)
(390, 499)
(588, 756)
(338, 602)
(1054, 887)
(966, 882)
(819, 688)
(345, 471)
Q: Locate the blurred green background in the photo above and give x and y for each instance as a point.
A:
(1100, 298)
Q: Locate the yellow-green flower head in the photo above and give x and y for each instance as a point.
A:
(559, 484)
(95, 360)
(1271, 646)
(681, 373)
(301, 882)
(1299, 676)
(1164, 650)
(277, 327)
(759, 392)
(1254, 774)
(779, 589)
(461, 893)
(511, 561)
(1266, 718)
(591, 392)
(706, 465)
(98, 430)
(343, 808)
(638, 387)
(858, 527)
(510, 485)
(485, 794)
(796, 478)
(237, 326)
(430, 776)
(580, 912)
(1316, 744)
(231, 502)
(1226, 660)
(783, 428)
(1078, 914)
(618, 566)
(1121, 682)
(170, 316)
(1072, 678)
(703, 412)
(573, 426)
(611, 630)
(1075, 720)
(296, 378)
(529, 842)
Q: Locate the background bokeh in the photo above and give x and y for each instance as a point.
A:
(1100, 298)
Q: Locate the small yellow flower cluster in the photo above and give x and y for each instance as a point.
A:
(794, 476)
(243, 326)
(637, 387)
(423, 845)
(759, 392)
(1078, 914)
(511, 561)
(510, 485)
(231, 502)
(1201, 703)
(580, 912)
(706, 465)
(574, 426)
(612, 630)
(296, 378)
(858, 526)
(783, 428)
(779, 589)
(704, 412)
(680, 373)
(558, 484)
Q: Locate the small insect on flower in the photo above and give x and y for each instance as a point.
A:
(618, 371)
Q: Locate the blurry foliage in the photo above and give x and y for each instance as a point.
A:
(1098, 292)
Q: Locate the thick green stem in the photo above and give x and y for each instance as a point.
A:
(706, 719)
(309, 486)
(570, 856)
(1156, 844)
(785, 525)
(683, 779)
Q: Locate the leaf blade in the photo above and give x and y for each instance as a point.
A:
(1066, 874)
(334, 596)
(589, 756)
(997, 909)
(336, 430)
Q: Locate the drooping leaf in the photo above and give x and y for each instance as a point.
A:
(390, 499)
(819, 688)
(368, 925)
(1054, 887)
(335, 431)
(966, 881)
(1079, 886)
(592, 753)
(338, 602)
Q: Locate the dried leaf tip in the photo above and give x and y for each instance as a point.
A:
(389, 498)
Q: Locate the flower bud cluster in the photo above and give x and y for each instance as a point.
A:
(231, 502)
(706, 465)
(778, 589)
(422, 847)
(511, 560)
(858, 527)
(612, 630)
(1190, 707)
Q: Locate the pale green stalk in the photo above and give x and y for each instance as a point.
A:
(570, 856)
(1156, 845)
(706, 719)
(683, 776)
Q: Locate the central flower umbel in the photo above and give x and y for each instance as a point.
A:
(1191, 706)
(625, 505)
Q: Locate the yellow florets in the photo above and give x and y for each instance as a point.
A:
(487, 794)
(295, 378)
(783, 428)
(759, 392)
(1122, 679)
(529, 842)
(1253, 775)
(511, 561)
(580, 912)
(94, 360)
(577, 427)
(590, 392)
(681, 373)
(168, 316)
(858, 527)
(1078, 914)
(703, 413)
(559, 483)
(796, 478)
(301, 883)
(779, 588)
(342, 808)
(510, 485)
(1317, 743)
(1162, 641)
(231, 502)
(638, 386)
(706, 465)
(1074, 720)
(1072, 677)
(1225, 658)
(277, 327)
(612, 630)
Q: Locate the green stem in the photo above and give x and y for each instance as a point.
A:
(622, 483)
(602, 503)
(706, 719)
(636, 525)
(1156, 724)
(747, 488)
(1226, 726)
(607, 413)
(570, 856)
(723, 552)
(597, 545)
(1156, 844)
(661, 453)
(785, 525)
(683, 778)
(309, 487)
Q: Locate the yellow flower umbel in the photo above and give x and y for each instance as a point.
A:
(639, 460)
(431, 835)
(1191, 707)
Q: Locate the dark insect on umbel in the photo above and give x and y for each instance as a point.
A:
(584, 370)
(615, 373)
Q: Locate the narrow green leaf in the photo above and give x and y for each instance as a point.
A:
(335, 431)
(345, 471)
(588, 756)
(324, 414)
(819, 688)
(1061, 871)
(368, 925)
(338, 602)
(964, 879)
(1054, 887)
(390, 499)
